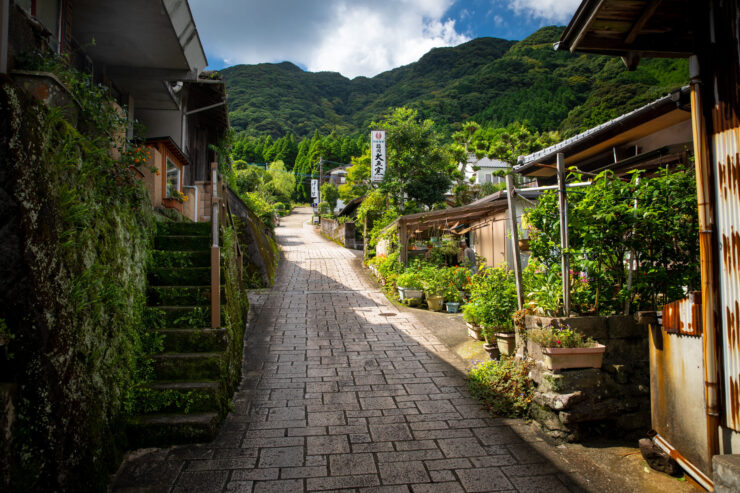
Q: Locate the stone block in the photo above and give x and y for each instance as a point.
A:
(625, 326)
(589, 326)
(551, 425)
(658, 459)
(569, 381)
(726, 473)
(626, 351)
(597, 411)
(558, 402)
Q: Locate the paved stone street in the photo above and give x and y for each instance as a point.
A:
(342, 391)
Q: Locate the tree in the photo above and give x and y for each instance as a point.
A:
(282, 181)
(358, 178)
(515, 140)
(330, 195)
(416, 157)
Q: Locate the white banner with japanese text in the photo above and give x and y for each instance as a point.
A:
(377, 156)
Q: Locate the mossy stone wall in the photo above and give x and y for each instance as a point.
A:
(75, 236)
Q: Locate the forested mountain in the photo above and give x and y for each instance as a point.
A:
(492, 81)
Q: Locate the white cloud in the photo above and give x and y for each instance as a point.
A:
(353, 37)
(550, 10)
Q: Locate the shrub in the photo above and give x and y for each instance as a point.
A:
(494, 291)
(503, 386)
(410, 279)
(433, 280)
(559, 335)
(653, 220)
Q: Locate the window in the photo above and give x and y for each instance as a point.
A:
(47, 12)
(342, 179)
(487, 178)
(173, 179)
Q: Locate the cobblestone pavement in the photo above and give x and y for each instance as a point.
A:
(341, 391)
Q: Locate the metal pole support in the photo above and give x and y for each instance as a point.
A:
(564, 243)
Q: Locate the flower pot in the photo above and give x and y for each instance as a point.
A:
(492, 350)
(452, 307)
(172, 204)
(506, 342)
(435, 302)
(524, 245)
(556, 358)
(474, 331)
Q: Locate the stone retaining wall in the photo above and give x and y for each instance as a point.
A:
(572, 404)
(344, 234)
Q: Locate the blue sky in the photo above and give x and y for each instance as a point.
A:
(360, 37)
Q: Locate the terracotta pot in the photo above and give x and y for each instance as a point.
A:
(435, 302)
(580, 357)
(492, 350)
(506, 342)
(524, 245)
(474, 331)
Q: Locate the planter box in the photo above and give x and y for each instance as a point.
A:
(474, 331)
(406, 293)
(565, 358)
(506, 342)
(172, 204)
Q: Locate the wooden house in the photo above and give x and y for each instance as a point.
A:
(695, 353)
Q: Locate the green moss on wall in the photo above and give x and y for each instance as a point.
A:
(77, 230)
(235, 311)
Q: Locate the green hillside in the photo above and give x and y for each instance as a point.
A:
(492, 81)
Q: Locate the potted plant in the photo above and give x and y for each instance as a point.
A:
(506, 340)
(454, 298)
(410, 287)
(473, 314)
(434, 289)
(500, 303)
(562, 348)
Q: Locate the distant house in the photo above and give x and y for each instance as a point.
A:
(484, 170)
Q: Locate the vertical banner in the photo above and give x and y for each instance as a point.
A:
(377, 156)
(315, 188)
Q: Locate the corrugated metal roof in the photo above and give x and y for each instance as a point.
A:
(633, 118)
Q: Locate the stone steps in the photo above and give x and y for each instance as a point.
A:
(194, 340)
(181, 295)
(186, 398)
(185, 366)
(174, 428)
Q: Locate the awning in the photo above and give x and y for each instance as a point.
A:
(141, 44)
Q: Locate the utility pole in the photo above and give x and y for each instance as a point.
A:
(321, 174)
(513, 227)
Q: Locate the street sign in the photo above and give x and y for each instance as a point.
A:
(315, 189)
(377, 156)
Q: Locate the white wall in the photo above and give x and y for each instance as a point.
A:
(162, 123)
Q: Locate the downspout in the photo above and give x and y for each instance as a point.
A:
(704, 184)
(196, 200)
